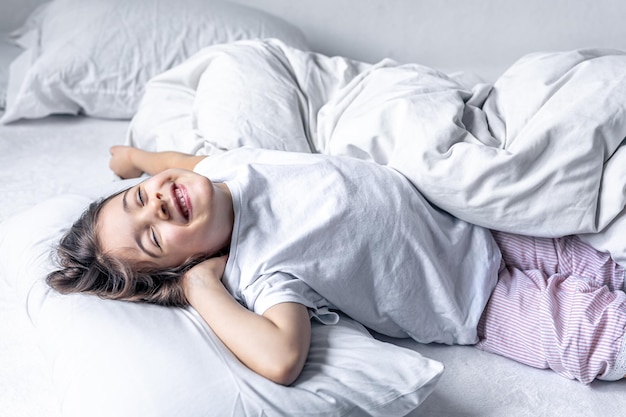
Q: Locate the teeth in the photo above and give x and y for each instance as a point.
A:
(182, 202)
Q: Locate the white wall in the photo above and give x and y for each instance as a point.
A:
(480, 35)
(484, 36)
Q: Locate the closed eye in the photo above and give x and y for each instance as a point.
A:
(153, 238)
(139, 198)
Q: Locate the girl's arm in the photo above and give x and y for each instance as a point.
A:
(274, 345)
(129, 162)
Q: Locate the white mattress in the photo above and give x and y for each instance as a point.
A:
(39, 159)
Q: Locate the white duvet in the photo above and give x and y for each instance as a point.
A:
(537, 153)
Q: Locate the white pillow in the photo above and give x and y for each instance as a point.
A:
(95, 56)
(111, 358)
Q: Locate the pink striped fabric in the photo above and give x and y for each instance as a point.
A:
(558, 304)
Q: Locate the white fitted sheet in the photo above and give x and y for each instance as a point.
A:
(40, 159)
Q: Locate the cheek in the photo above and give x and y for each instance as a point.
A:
(179, 236)
(186, 240)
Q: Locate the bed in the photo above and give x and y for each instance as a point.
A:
(54, 159)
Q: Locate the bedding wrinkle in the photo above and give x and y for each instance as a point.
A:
(476, 184)
(303, 105)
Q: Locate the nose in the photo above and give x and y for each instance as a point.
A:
(159, 207)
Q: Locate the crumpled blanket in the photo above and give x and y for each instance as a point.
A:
(538, 152)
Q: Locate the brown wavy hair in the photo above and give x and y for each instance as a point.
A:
(83, 267)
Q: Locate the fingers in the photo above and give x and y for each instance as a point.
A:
(204, 278)
(211, 269)
(121, 163)
(217, 265)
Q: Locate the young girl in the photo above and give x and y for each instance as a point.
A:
(274, 238)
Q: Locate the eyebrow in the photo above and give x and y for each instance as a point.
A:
(137, 236)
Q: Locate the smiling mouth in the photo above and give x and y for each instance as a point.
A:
(181, 200)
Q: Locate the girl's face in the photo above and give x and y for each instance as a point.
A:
(167, 219)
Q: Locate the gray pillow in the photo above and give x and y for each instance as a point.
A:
(95, 56)
(8, 52)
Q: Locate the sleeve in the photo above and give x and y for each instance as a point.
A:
(269, 290)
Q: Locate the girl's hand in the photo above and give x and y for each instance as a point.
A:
(204, 276)
(121, 162)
